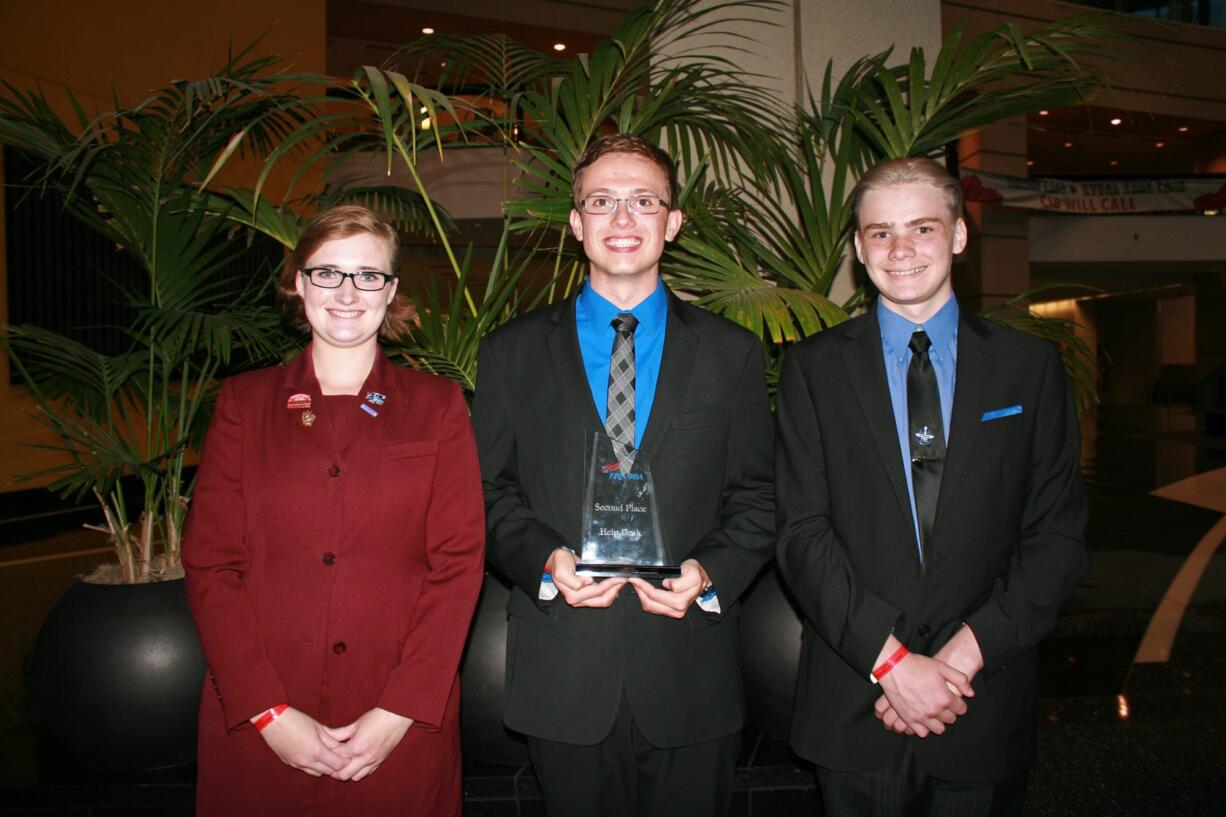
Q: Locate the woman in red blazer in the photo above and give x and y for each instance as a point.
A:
(334, 556)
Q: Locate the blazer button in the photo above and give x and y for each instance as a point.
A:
(924, 631)
(329, 558)
(334, 471)
(339, 647)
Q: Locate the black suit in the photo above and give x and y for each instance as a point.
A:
(709, 443)
(1007, 548)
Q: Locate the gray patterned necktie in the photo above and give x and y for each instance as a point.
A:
(619, 414)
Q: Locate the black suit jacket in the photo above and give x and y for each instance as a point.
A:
(709, 442)
(1007, 549)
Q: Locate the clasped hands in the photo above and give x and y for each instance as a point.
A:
(345, 752)
(671, 600)
(923, 695)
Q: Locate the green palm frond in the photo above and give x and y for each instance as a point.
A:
(907, 110)
(709, 111)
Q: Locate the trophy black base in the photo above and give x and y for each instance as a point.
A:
(599, 571)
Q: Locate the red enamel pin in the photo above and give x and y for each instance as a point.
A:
(299, 401)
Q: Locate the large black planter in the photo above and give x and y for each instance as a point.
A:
(482, 675)
(118, 672)
(770, 640)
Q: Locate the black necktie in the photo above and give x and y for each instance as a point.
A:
(619, 413)
(926, 433)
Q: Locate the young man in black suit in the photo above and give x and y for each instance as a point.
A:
(629, 690)
(931, 522)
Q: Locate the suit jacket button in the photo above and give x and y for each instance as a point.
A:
(329, 558)
(924, 631)
(339, 647)
(334, 471)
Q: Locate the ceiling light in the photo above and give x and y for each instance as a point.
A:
(1030, 163)
(1068, 144)
(1183, 128)
(1114, 163)
(1044, 113)
(1159, 144)
(1117, 121)
(427, 30)
(559, 46)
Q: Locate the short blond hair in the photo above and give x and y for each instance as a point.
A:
(344, 221)
(904, 171)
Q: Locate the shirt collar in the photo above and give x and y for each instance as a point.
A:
(896, 331)
(598, 311)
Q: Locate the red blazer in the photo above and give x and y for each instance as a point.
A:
(334, 572)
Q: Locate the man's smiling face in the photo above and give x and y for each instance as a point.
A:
(621, 244)
(907, 239)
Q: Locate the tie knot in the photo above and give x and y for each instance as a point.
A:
(920, 342)
(625, 322)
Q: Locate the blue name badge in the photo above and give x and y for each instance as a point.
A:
(998, 413)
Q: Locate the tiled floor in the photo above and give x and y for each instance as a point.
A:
(1114, 737)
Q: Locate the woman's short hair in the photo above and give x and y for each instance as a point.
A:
(904, 171)
(344, 221)
(627, 143)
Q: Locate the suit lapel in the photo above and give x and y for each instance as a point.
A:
(569, 376)
(974, 373)
(673, 383)
(866, 370)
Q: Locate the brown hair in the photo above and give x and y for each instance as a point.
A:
(627, 143)
(343, 221)
(904, 171)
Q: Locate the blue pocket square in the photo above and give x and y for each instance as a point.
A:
(998, 413)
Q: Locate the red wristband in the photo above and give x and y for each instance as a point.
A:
(269, 716)
(883, 669)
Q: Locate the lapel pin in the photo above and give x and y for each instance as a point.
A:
(375, 398)
(299, 401)
(924, 436)
(308, 418)
(369, 410)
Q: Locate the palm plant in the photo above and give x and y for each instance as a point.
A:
(144, 178)
(135, 176)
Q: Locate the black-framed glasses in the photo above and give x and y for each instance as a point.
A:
(642, 205)
(330, 278)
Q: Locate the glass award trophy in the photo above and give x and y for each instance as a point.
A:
(621, 524)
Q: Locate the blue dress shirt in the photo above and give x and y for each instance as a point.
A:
(896, 331)
(593, 318)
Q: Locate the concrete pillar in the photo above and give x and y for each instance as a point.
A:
(996, 265)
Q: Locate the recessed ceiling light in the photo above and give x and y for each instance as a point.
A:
(1044, 113)
(427, 30)
(559, 46)
(1183, 128)
(1159, 144)
(1117, 121)
(1030, 163)
(1114, 163)
(1068, 144)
